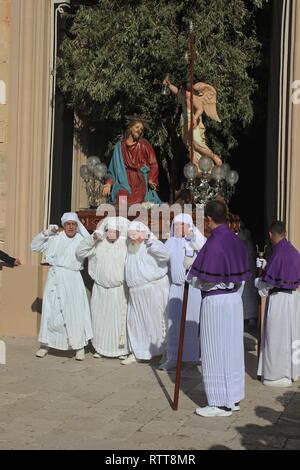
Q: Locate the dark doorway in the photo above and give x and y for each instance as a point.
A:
(249, 159)
(61, 188)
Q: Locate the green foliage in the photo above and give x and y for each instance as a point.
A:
(117, 53)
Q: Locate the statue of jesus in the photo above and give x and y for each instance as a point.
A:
(133, 170)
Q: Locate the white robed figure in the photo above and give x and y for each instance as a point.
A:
(279, 361)
(106, 250)
(220, 269)
(66, 319)
(183, 245)
(146, 276)
(281, 337)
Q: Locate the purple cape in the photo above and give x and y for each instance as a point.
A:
(283, 269)
(223, 258)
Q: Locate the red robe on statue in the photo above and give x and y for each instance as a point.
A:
(135, 157)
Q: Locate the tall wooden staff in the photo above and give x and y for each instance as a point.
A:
(186, 285)
(191, 80)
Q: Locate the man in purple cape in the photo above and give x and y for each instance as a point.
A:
(279, 361)
(220, 270)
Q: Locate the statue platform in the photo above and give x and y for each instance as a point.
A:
(158, 219)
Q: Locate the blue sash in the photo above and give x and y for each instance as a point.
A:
(117, 172)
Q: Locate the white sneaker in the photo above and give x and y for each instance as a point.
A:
(236, 408)
(212, 412)
(97, 355)
(80, 355)
(168, 365)
(130, 360)
(284, 382)
(42, 352)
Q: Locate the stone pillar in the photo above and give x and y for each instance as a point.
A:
(5, 6)
(288, 188)
(28, 123)
(28, 106)
(293, 212)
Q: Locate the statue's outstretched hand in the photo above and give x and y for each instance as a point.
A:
(217, 160)
(153, 186)
(166, 80)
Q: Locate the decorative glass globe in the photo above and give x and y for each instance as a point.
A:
(218, 173)
(206, 164)
(232, 177)
(190, 171)
(237, 176)
(100, 170)
(84, 172)
(92, 162)
(226, 168)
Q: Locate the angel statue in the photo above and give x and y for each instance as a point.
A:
(204, 100)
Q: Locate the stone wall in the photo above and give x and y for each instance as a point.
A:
(5, 12)
(27, 155)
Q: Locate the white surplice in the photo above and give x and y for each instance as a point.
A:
(146, 277)
(110, 294)
(66, 319)
(279, 355)
(178, 248)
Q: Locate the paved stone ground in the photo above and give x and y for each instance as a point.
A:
(60, 403)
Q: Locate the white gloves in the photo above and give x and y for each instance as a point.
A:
(98, 235)
(148, 242)
(51, 230)
(261, 286)
(261, 263)
(191, 236)
(257, 282)
(263, 292)
(188, 261)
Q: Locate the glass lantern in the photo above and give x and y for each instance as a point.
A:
(190, 171)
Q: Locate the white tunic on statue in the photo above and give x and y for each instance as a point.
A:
(281, 335)
(109, 296)
(177, 248)
(146, 277)
(66, 319)
(222, 345)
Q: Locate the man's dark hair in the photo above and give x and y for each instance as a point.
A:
(229, 218)
(131, 124)
(217, 210)
(277, 228)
